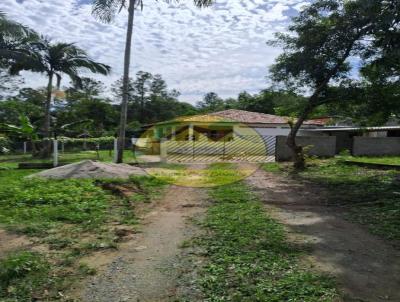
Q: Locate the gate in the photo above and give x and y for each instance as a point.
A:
(253, 149)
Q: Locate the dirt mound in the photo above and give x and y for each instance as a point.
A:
(91, 169)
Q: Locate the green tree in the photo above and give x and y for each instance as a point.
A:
(105, 10)
(27, 102)
(211, 103)
(56, 60)
(318, 49)
(88, 89)
(141, 87)
(24, 130)
(16, 41)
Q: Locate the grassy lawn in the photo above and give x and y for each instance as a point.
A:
(371, 196)
(386, 160)
(220, 174)
(247, 257)
(66, 220)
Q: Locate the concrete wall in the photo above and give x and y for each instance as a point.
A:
(284, 131)
(376, 146)
(323, 146)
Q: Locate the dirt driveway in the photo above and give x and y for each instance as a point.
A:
(366, 267)
(147, 267)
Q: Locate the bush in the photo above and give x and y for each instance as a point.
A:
(4, 145)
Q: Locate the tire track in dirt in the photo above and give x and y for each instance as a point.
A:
(365, 266)
(147, 268)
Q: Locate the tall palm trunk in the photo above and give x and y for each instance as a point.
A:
(46, 128)
(125, 84)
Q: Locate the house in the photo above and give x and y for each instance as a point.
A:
(228, 134)
(228, 123)
(261, 137)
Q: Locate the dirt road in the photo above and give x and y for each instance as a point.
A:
(146, 269)
(366, 267)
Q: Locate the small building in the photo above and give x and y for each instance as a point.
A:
(229, 134)
(226, 123)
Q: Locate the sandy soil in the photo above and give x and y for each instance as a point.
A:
(90, 169)
(146, 268)
(366, 267)
(10, 242)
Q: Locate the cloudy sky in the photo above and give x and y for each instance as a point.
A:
(221, 49)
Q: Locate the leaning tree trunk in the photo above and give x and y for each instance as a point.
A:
(297, 151)
(125, 83)
(46, 149)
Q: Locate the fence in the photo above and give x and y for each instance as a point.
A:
(238, 149)
(376, 146)
(65, 151)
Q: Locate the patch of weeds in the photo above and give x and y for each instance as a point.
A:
(35, 206)
(73, 217)
(85, 269)
(136, 188)
(171, 166)
(97, 245)
(59, 243)
(247, 256)
(272, 167)
(24, 275)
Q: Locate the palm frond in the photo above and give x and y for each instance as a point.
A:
(198, 3)
(106, 10)
(10, 29)
(203, 3)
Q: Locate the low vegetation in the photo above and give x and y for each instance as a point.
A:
(62, 220)
(371, 196)
(219, 174)
(247, 255)
(384, 160)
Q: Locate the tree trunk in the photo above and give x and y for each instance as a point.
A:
(125, 83)
(297, 151)
(46, 150)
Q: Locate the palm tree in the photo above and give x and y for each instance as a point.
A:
(15, 41)
(55, 60)
(106, 10)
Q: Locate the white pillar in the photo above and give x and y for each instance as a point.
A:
(173, 133)
(25, 147)
(55, 153)
(191, 132)
(115, 154)
(163, 150)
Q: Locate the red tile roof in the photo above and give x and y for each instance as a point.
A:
(247, 117)
(244, 117)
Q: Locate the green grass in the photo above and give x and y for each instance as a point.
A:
(386, 160)
(371, 196)
(272, 167)
(247, 255)
(22, 275)
(72, 218)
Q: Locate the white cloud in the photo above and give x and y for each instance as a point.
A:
(219, 49)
